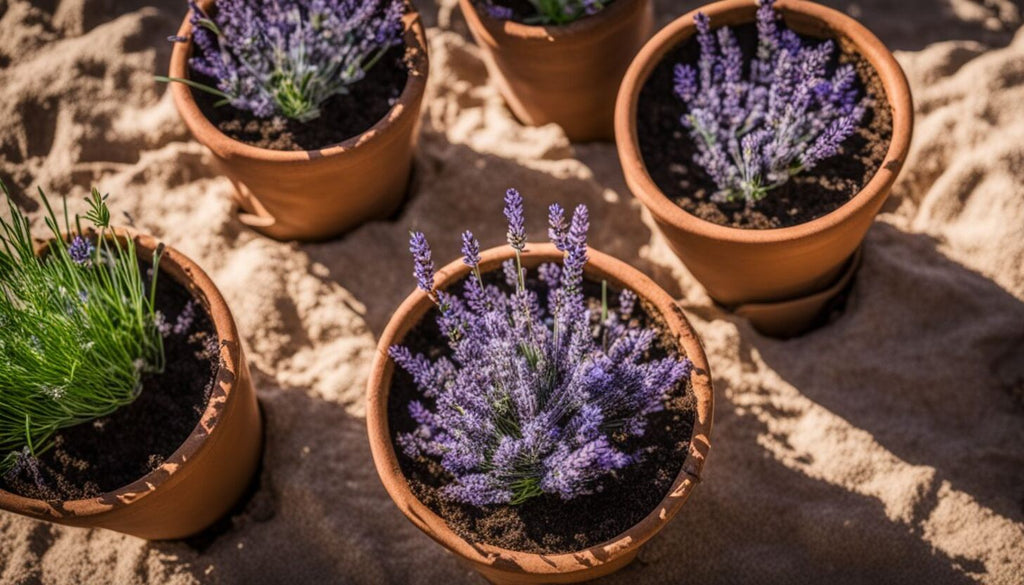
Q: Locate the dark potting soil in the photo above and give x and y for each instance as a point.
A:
(668, 150)
(112, 452)
(523, 11)
(342, 116)
(547, 524)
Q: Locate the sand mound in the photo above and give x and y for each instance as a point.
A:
(888, 445)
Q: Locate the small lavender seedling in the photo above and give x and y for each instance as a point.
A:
(534, 398)
(288, 57)
(549, 11)
(78, 329)
(755, 129)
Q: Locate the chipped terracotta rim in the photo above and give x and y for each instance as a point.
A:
(732, 12)
(224, 146)
(600, 265)
(553, 32)
(187, 273)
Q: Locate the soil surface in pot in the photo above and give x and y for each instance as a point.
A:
(112, 452)
(523, 11)
(547, 524)
(342, 116)
(668, 150)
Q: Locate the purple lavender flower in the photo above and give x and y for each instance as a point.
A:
(548, 11)
(516, 222)
(423, 266)
(533, 400)
(290, 56)
(499, 12)
(470, 249)
(185, 319)
(754, 132)
(81, 250)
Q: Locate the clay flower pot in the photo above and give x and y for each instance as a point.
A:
(780, 278)
(316, 194)
(203, 479)
(506, 566)
(566, 74)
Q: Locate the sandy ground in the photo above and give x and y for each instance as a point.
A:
(887, 446)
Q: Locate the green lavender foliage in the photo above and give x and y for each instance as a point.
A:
(78, 328)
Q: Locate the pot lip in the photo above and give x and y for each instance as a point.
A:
(893, 80)
(613, 13)
(224, 146)
(176, 265)
(626, 543)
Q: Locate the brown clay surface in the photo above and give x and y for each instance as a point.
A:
(563, 74)
(885, 447)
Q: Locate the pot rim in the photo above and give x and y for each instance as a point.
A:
(893, 81)
(599, 265)
(175, 265)
(224, 146)
(552, 32)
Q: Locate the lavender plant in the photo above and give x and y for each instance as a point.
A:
(288, 57)
(756, 127)
(550, 11)
(77, 329)
(540, 393)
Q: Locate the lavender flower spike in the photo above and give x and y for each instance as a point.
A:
(423, 266)
(470, 249)
(558, 230)
(754, 132)
(516, 222)
(532, 399)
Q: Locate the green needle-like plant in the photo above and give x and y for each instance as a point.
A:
(78, 329)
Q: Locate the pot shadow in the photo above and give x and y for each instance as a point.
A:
(755, 520)
(928, 359)
(373, 262)
(906, 26)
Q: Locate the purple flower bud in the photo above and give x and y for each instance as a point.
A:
(423, 266)
(558, 229)
(81, 250)
(516, 222)
(470, 249)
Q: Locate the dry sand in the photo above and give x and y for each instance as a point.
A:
(887, 446)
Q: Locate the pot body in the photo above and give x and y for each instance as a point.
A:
(781, 266)
(512, 567)
(317, 194)
(565, 74)
(209, 472)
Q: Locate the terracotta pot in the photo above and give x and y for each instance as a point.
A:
(203, 479)
(316, 194)
(566, 74)
(506, 566)
(792, 265)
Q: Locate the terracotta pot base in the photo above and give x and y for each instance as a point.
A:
(798, 315)
(805, 265)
